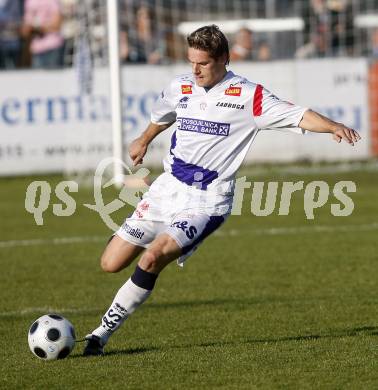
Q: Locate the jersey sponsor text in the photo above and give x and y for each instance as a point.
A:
(230, 105)
(203, 126)
(135, 232)
(233, 91)
(186, 89)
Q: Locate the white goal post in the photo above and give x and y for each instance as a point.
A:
(115, 89)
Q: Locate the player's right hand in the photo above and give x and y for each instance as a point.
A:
(137, 150)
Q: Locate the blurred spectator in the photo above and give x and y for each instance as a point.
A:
(374, 43)
(124, 46)
(329, 29)
(10, 42)
(42, 24)
(141, 42)
(242, 49)
(341, 26)
(175, 45)
(69, 29)
(316, 48)
(264, 53)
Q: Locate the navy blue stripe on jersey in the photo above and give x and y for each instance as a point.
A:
(213, 224)
(192, 175)
(173, 142)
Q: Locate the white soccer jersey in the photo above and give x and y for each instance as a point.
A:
(215, 128)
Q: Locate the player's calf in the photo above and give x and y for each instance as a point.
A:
(128, 298)
(134, 292)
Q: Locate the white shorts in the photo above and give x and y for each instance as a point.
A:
(187, 214)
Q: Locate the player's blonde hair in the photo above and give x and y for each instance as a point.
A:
(210, 39)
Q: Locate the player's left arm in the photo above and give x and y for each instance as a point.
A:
(315, 122)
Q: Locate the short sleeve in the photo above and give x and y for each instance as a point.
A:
(164, 110)
(270, 112)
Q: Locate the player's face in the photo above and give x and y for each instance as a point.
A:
(207, 71)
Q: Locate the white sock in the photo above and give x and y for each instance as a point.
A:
(128, 298)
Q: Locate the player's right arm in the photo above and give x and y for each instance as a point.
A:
(139, 146)
(163, 115)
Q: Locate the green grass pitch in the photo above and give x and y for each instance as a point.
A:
(277, 302)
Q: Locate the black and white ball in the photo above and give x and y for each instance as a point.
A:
(51, 337)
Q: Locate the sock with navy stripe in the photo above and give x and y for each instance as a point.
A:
(128, 298)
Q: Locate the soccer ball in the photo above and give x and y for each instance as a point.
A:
(51, 337)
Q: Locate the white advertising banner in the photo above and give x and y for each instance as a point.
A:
(47, 126)
(337, 88)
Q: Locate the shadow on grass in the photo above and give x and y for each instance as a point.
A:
(131, 351)
(127, 351)
(238, 303)
(353, 332)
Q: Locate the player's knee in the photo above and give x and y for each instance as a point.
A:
(109, 265)
(150, 261)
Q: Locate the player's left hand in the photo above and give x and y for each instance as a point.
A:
(347, 134)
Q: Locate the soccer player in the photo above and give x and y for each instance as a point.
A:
(217, 114)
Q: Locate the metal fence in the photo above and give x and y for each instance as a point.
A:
(154, 31)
